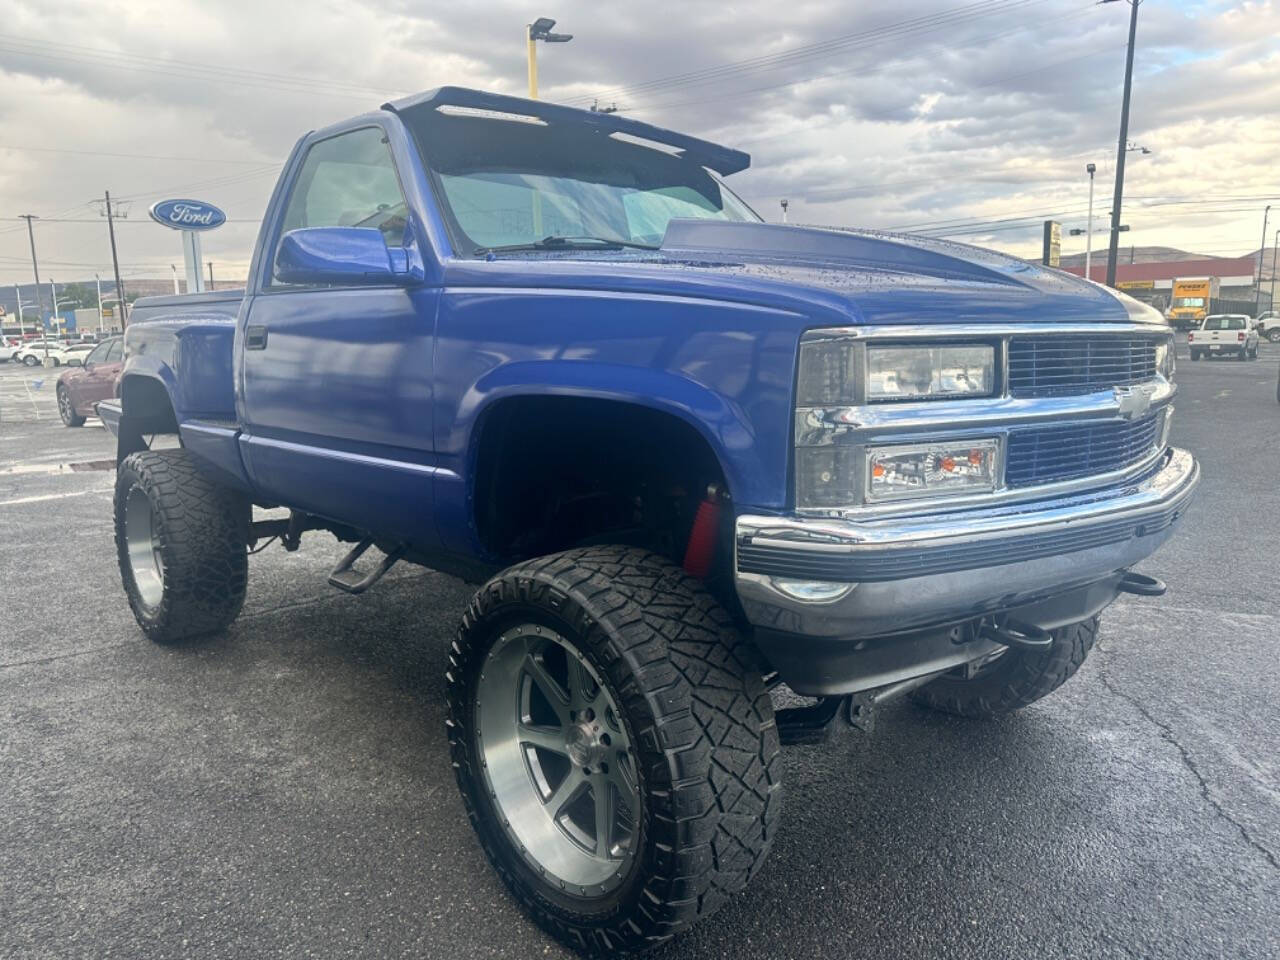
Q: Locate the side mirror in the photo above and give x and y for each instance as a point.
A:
(340, 255)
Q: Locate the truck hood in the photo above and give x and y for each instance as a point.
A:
(897, 278)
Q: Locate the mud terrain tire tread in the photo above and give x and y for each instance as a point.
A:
(202, 532)
(692, 690)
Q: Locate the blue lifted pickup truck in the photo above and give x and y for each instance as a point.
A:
(689, 454)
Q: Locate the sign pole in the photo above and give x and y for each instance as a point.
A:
(192, 260)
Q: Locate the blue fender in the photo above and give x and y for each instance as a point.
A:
(754, 471)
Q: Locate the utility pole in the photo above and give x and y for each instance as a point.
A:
(115, 263)
(1088, 236)
(97, 280)
(1257, 297)
(1114, 245)
(35, 268)
(1274, 245)
(210, 263)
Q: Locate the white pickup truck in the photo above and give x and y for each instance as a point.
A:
(1224, 334)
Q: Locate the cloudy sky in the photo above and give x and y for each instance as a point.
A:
(971, 119)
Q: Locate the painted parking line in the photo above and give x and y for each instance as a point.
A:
(52, 496)
(53, 469)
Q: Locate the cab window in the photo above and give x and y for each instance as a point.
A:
(348, 181)
(98, 354)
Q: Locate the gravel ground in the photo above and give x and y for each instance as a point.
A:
(285, 790)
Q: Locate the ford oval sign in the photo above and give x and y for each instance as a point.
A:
(187, 214)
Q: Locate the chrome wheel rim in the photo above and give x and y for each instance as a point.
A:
(143, 548)
(557, 761)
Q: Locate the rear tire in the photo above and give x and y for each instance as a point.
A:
(181, 541)
(691, 708)
(66, 410)
(30, 361)
(1015, 679)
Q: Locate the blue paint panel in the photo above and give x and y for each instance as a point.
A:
(724, 369)
(337, 407)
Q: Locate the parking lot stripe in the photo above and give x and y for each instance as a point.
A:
(51, 496)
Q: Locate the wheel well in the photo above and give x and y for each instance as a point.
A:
(558, 472)
(145, 402)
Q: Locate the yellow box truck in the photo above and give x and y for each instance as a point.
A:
(1191, 301)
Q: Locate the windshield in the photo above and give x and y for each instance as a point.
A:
(1189, 302)
(507, 183)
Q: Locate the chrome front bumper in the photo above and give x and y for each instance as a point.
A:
(821, 577)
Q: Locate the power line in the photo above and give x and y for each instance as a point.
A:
(185, 69)
(128, 156)
(800, 54)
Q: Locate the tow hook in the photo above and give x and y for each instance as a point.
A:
(1141, 585)
(1015, 633)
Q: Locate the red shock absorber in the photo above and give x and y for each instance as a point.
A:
(701, 551)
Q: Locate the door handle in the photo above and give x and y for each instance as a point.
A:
(255, 337)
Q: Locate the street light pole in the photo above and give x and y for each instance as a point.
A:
(784, 204)
(174, 268)
(97, 280)
(210, 263)
(1088, 237)
(53, 293)
(540, 29)
(1257, 296)
(22, 323)
(1114, 245)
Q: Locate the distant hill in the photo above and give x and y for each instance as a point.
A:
(1129, 254)
(1165, 255)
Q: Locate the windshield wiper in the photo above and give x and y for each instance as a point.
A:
(568, 243)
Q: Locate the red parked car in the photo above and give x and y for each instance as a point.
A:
(80, 390)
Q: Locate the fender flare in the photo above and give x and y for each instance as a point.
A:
(719, 420)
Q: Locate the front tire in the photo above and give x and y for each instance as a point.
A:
(613, 657)
(67, 410)
(181, 542)
(1014, 679)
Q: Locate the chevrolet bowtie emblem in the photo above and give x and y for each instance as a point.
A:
(1134, 401)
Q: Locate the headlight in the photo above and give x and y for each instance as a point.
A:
(914, 373)
(832, 369)
(931, 470)
(1165, 362)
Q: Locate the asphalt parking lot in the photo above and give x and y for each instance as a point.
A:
(285, 790)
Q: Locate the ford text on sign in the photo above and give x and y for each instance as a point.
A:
(187, 214)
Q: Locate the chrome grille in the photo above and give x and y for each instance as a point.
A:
(1067, 365)
(1052, 454)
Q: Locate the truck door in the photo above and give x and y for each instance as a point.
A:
(336, 385)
